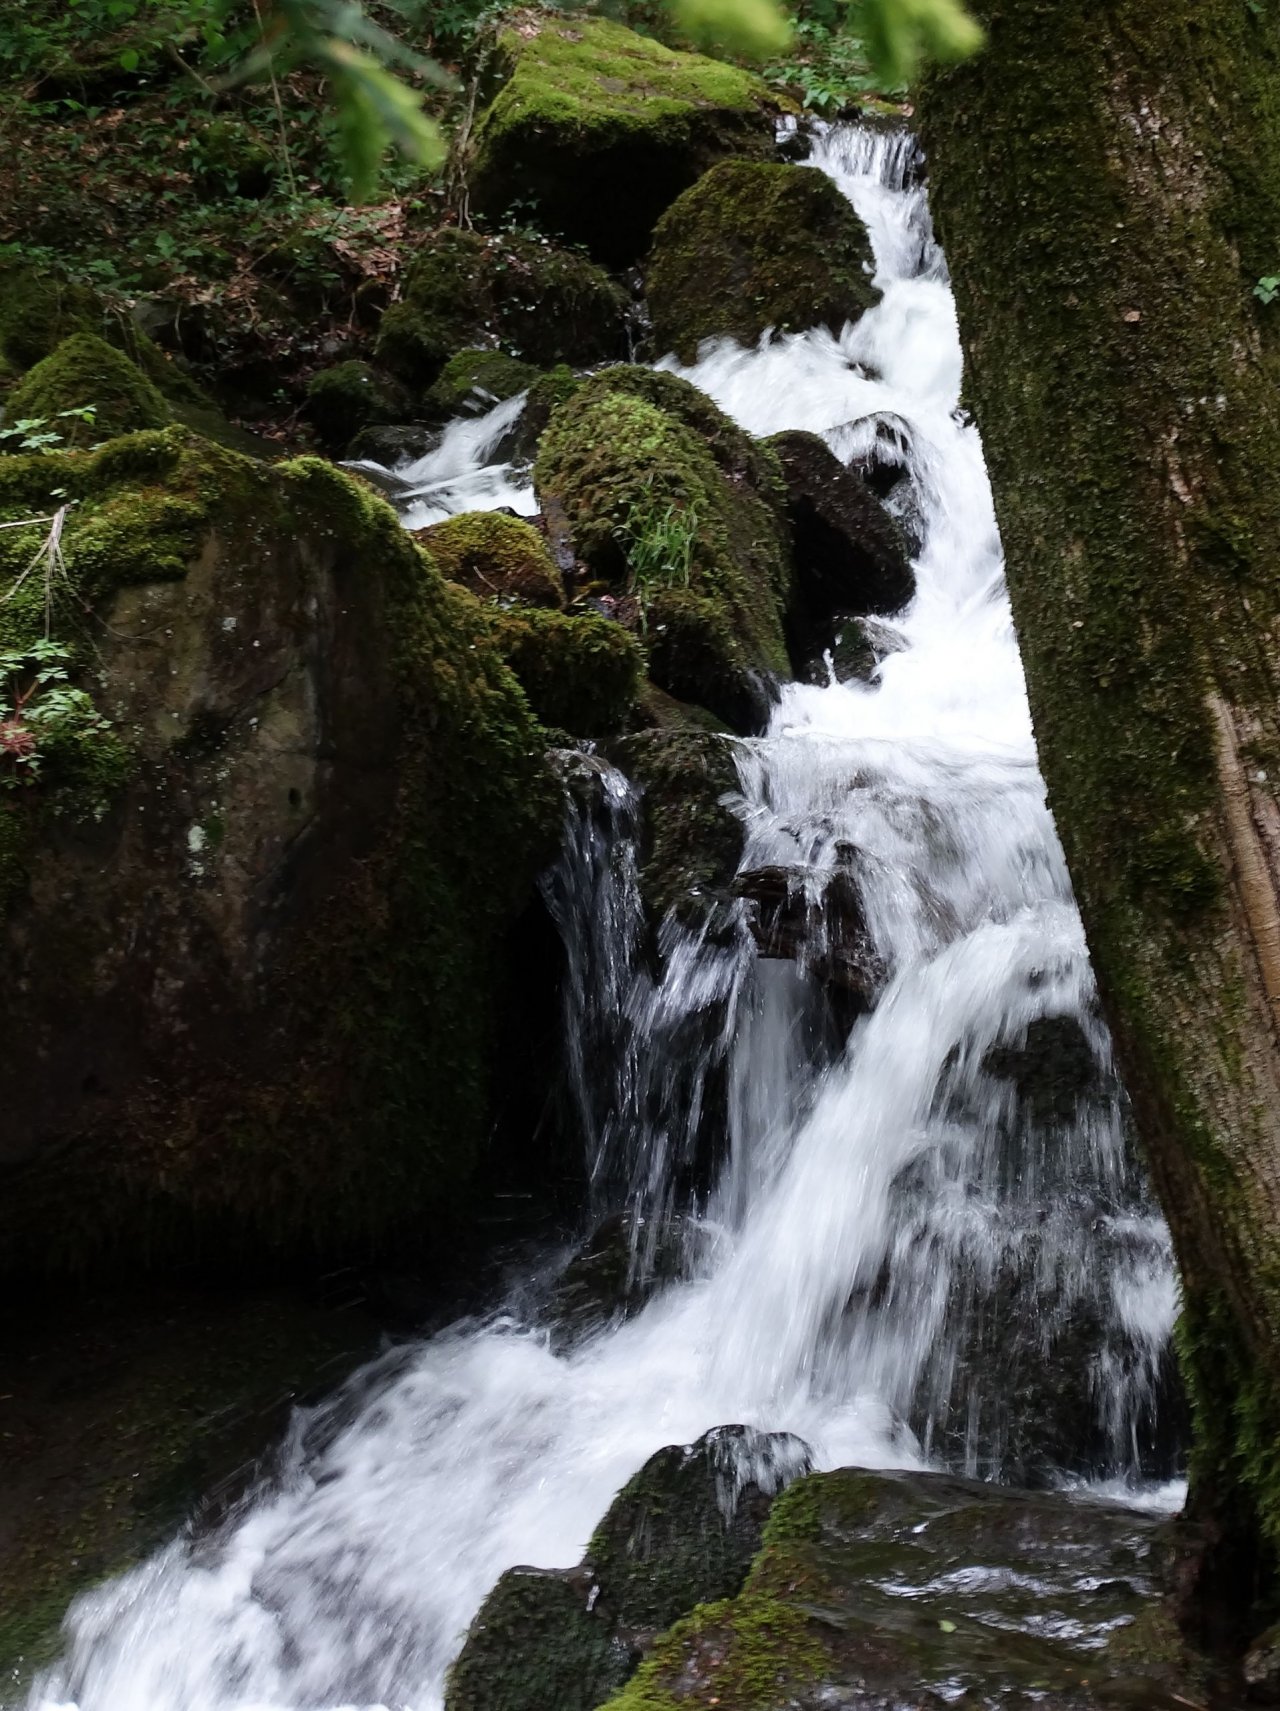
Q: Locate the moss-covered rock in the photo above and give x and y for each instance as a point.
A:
(886, 1589)
(661, 491)
(540, 304)
(599, 129)
(477, 379)
(691, 840)
(85, 370)
(350, 396)
(37, 312)
(753, 245)
(258, 993)
(695, 656)
(231, 158)
(684, 1528)
(580, 672)
(497, 557)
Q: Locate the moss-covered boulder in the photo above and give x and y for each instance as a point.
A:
(581, 672)
(351, 396)
(257, 977)
(691, 840)
(535, 302)
(688, 1523)
(695, 656)
(753, 245)
(662, 493)
(599, 129)
(37, 312)
(497, 557)
(887, 1589)
(86, 371)
(476, 379)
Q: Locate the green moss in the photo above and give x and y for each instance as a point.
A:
(478, 378)
(598, 129)
(85, 370)
(497, 557)
(695, 656)
(755, 245)
(692, 841)
(634, 444)
(581, 673)
(537, 303)
(349, 396)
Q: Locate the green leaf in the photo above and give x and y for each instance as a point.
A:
(900, 34)
(947, 1627)
(129, 59)
(753, 28)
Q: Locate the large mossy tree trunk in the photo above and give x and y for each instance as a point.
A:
(1106, 177)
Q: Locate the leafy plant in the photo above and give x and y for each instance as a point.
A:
(1268, 288)
(41, 711)
(37, 433)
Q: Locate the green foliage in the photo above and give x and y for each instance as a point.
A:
(1268, 288)
(828, 67)
(900, 35)
(752, 28)
(38, 433)
(658, 543)
(47, 724)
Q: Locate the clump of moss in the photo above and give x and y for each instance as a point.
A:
(634, 451)
(600, 128)
(478, 378)
(497, 557)
(349, 396)
(695, 656)
(85, 370)
(540, 304)
(754, 245)
(581, 673)
(691, 838)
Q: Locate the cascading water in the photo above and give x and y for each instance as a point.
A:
(897, 1238)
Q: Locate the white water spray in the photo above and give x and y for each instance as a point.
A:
(877, 1200)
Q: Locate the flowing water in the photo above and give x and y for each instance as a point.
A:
(897, 1239)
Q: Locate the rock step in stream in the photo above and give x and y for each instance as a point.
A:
(850, 1588)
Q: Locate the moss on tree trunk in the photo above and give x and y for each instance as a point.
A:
(1107, 182)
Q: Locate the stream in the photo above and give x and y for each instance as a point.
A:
(903, 1258)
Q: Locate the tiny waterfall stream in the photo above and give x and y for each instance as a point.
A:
(890, 1241)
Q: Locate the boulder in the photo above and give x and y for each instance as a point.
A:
(497, 557)
(691, 840)
(755, 245)
(682, 1530)
(912, 1589)
(599, 129)
(850, 555)
(527, 299)
(663, 495)
(351, 396)
(254, 923)
(817, 920)
(84, 370)
(580, 671)
(473, 380)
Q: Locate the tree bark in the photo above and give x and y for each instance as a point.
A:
(1106, 178)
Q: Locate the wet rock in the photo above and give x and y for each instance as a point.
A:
(695, 656)
(395, 444)
(817, 920)
(527, 299)
(885, 1590)
(615, 1272)
(498, 558)
(665, 497)
(755, 245)
(681, 1531)
(475, 380)
(1052, 1069)
(883, 464)
(850, 555)
(691, 841)
(600, 129)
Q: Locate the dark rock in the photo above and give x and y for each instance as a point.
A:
(1053, 1069)
(817, 920)
(755, 245)
(533, 302)
(695, 656)
(682, 1531)
(350, 396)
(850, 555)
(614, 1273)
(1261, 1668)
(691, 841)
(580, 671)
(474, 380)
(886, 1590)
(599, 129)
(392, 445)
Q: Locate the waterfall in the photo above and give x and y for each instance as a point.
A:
(900, 1243)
